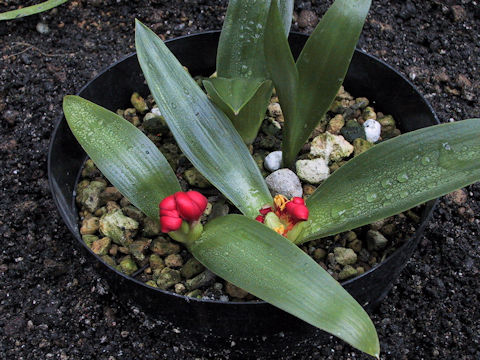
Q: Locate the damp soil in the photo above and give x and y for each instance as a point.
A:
(52, 303)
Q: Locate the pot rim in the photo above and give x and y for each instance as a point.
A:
(76, 234)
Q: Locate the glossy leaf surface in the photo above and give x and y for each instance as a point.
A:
(204, 133)
(321, 67)
(394, 176)
(240, 49)
(266, 264)
(281, 66)
(127, 158)
(31, 10)
(243, 100)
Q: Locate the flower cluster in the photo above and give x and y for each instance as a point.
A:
(188, 206)
(288, 213)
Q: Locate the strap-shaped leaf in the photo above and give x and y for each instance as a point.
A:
(286, 11)
(255, 258)
(281, 65)
(31, 10)
(129, 160)
(240, 49)
(243, 100)
(321, 66)
(394, 176)
(205, 135)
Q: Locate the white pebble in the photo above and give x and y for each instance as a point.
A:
(372, 130)
(42, 28)
(285, 182)
(273, 161)
(156, 111)
(313, 171)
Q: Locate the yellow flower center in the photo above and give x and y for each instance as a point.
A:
(280, 201)
(280, 229)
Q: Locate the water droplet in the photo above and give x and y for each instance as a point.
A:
(147, 152)
(388, 196)
(372, 197)
(446, 146)
(186, 92)
(174, 106)
(403, 177)
(386, 183)
(404, 194)
(336, 213)
(425, 160)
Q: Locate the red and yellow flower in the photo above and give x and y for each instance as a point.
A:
(287, 213)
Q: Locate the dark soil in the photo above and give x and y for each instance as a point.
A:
(52, 303)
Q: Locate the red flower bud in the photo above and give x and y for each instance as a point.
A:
(170, 213)
(169, 223)
(168, 203)
(298, 200)
(260, 218)
(188, 205)
(198, 199)
(297, 210)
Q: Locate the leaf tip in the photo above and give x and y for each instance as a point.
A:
(68, 101)
(139, 25)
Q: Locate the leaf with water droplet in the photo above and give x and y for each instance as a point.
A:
(415, 182)
(372, 197)
(208, 139)
(289, 279)
(402, 177)
(119, 150)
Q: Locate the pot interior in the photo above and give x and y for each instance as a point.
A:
(389, 91)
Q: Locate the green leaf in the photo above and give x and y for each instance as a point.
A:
(234, 93)
(205, 134)
(266, 264)
(281, 66)
(129, 160)
(322, 66)
(286, 11)
(394, 176)
(31, 10)
(240, 49)
(243, 101)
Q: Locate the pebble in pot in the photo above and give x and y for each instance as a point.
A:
(313, 171)
(273, 161)
(285, 182)
(372, 130)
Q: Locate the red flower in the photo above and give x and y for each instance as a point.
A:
(170, 223)
(289, 212)
(190, 205)
(296, 209)
(180, 206)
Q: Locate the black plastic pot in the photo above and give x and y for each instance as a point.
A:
(367, 76)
